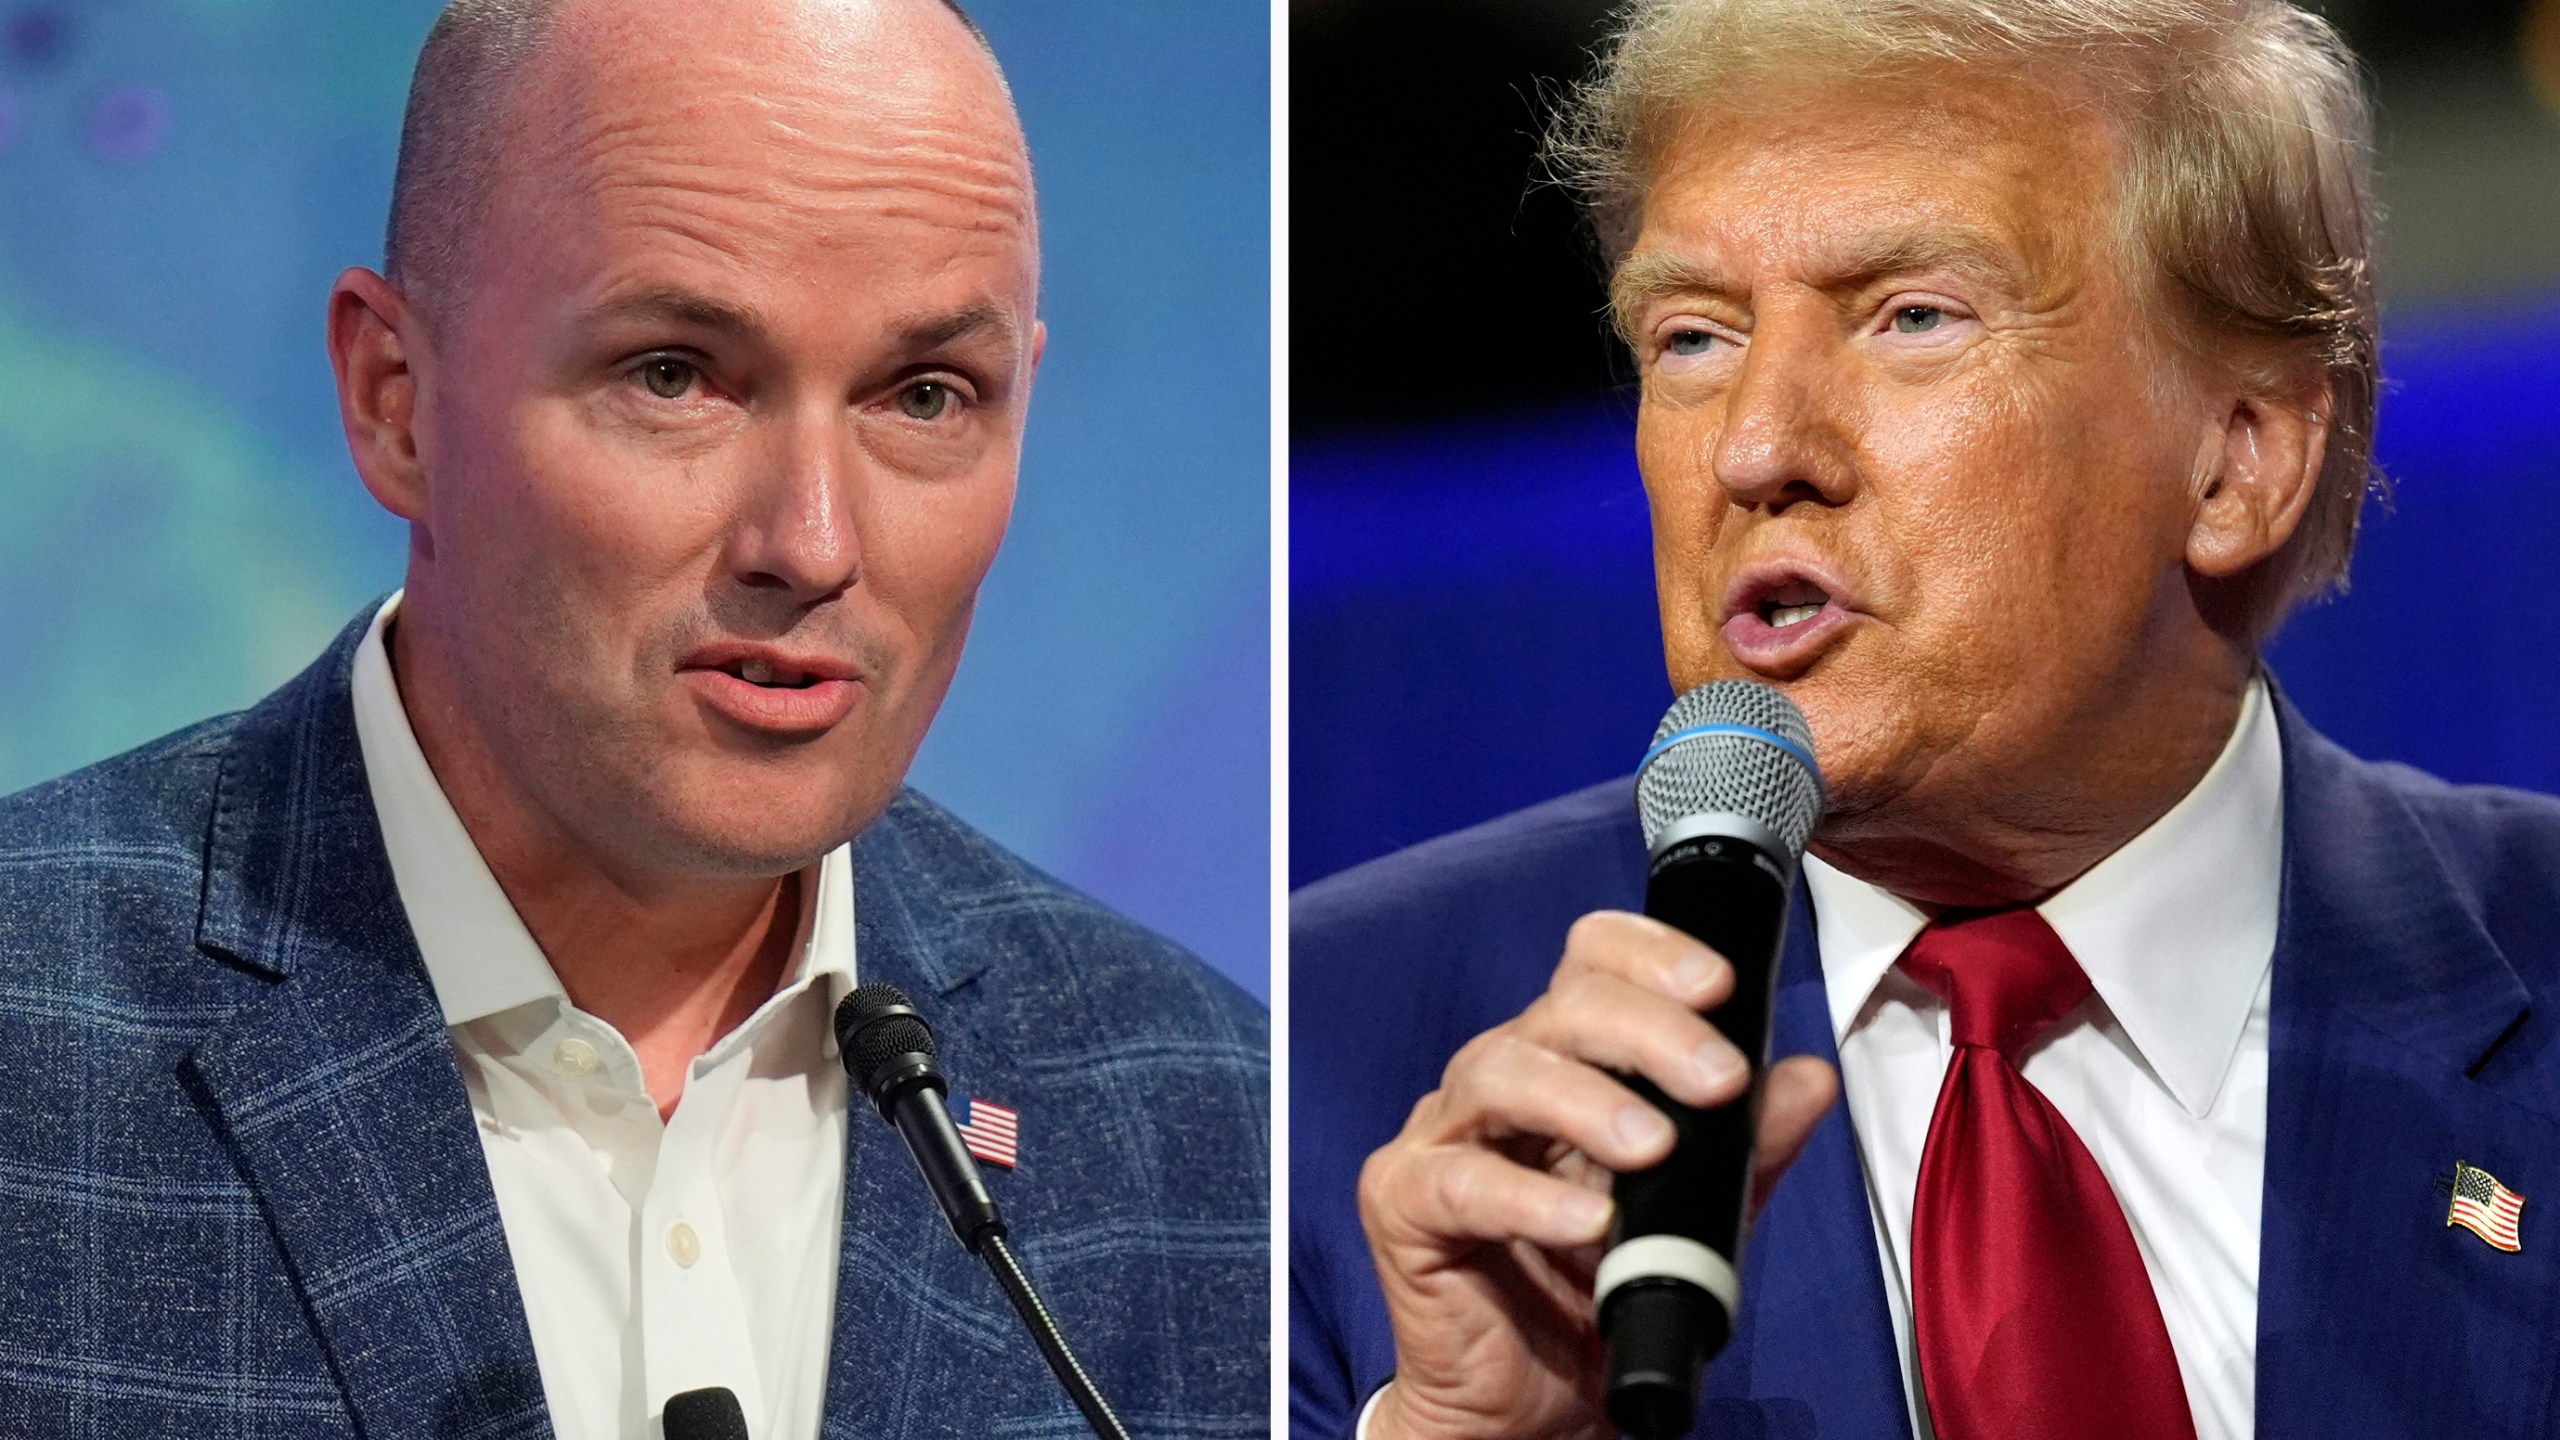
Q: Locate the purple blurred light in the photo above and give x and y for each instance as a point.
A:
(128, 125)
(38, 36)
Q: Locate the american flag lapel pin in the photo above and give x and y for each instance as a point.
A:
(991, 1132)
(2484, 1207)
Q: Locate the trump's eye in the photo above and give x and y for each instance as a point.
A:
(1918, 319)
(926, 400)
(1689, 342)
(668, 378)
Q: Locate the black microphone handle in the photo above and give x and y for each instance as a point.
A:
(952, 1175)
(1661, 1325)
(944, 1159)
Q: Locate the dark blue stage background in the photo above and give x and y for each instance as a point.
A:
(1473, 630)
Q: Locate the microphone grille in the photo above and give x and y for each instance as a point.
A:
(875, 1025)
(1733, 746)
(707, 1414)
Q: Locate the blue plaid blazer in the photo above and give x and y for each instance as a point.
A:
(241, 1194)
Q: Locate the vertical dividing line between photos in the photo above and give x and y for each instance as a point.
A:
(1279, 578)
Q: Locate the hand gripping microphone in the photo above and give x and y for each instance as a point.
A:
(889, 1050)
(1729, 795)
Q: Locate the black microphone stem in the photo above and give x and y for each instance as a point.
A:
(1052, 1342)
(889, 1055)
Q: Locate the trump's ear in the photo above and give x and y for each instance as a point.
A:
(2255, 477)
(369, 322)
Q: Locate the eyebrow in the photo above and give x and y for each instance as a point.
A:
(681, 306)
(926, 332)
(1863, 260)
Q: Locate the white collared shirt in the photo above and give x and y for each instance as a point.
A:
(653, 1257)
(2162, 1071)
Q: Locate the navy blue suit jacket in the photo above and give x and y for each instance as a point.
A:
(241, 1192)
(2416, 1023)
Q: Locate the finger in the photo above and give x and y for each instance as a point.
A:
(1645, 952)
(1437, 1193)
(1611, 1022)
(1794, 1097)
(1504, 1084)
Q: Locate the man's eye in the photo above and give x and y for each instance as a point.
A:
(1689, 342)
(669, 379)
(1918, 319)
(925, 400)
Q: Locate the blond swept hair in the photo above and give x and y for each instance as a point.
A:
(2247, 169)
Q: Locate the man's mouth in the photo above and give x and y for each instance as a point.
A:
(1779, 618)
(757, 672)
(1793, 603)
(764, 690)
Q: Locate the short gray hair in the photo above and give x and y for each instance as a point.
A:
(450, 136)
(2247, 181)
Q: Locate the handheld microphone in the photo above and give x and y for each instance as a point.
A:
(889, 1052)
(1729, 795)
(706, 1414)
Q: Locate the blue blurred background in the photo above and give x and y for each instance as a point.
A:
(1472, 621)
(180, 530)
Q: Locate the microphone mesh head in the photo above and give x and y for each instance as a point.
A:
(871, 1034)
(711, 1414)
(1730, 771)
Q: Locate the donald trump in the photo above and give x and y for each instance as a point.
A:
(2008, 374)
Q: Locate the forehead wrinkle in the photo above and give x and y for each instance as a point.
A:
(809, 181)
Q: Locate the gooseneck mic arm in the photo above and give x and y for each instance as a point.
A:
(889, 1052)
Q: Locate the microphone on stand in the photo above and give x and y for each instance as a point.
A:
(1729, 795)
(889, 1052)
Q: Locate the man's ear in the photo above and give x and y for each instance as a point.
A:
(2256, 477)
(370, 331)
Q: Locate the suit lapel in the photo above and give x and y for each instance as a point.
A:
(337, 1092)
(1814, 1353)
(2391, 1006)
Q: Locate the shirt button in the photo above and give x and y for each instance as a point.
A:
(683, 1245)
(576, 1057)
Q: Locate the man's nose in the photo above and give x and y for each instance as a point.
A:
(798, 532)
(1784, 440)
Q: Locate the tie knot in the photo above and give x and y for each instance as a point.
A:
(2006, 977)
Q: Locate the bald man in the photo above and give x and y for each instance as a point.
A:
(442, 1046)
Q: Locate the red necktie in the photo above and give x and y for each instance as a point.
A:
(2033, 1315)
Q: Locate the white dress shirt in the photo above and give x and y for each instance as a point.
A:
(2162, 1071)
(654, 1257)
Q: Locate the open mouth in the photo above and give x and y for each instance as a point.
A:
(1782, 615)
(1792, 604)
(776, 693)
(772, 677)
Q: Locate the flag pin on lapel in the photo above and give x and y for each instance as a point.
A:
(991, 1132)
(2484, 1207)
